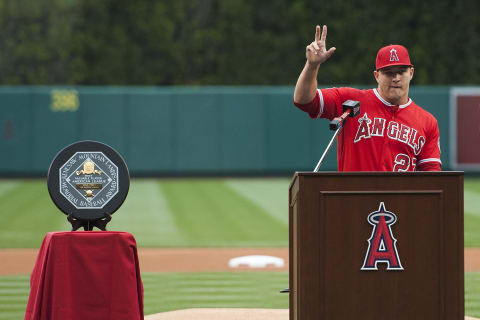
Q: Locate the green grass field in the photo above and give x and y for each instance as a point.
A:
(174, 291)
(162, 213)
(189, 213)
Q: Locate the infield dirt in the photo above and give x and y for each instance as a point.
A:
(21, 261)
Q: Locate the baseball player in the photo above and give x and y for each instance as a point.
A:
(391, 133)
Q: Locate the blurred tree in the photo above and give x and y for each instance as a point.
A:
(34, 41)
(230, 42)
(126, 42)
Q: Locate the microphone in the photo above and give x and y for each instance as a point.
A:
(351, 108)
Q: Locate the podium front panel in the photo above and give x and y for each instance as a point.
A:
(330, 235)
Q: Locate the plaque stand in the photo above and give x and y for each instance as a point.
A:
(89, 224)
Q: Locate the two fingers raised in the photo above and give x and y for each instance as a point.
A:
(318, 46)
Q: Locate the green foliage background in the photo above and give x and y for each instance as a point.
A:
(230, 42)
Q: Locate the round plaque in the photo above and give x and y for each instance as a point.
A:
(88, 180)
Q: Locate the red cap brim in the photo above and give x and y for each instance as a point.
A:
(395, 64)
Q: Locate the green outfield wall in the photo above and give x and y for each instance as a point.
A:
(176, 130)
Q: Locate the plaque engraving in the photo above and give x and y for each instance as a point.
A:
(85, 186)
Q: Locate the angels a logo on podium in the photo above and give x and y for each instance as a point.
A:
(382, 245)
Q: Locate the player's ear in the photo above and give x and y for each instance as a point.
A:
(411, 73)
(375, 74)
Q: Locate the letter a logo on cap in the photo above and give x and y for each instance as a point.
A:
(393, 55)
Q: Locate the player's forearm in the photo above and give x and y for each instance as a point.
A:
(306, 87)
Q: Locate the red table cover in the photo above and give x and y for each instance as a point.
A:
(86, 275)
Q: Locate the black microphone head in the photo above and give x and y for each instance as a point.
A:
(353, 106)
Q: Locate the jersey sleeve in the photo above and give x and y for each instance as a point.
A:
(312, 108)
(331, 100)
(429, 157)
(327, 102)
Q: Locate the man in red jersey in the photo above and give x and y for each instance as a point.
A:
(391, 133)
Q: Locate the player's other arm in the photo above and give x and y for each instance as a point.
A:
(316, 54)
(429, 159)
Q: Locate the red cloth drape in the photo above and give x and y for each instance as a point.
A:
(86, 275)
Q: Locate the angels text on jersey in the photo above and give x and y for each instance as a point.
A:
(379, 127)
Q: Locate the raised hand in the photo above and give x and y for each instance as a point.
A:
(317, 52)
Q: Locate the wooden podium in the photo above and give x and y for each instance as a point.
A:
(347, 227)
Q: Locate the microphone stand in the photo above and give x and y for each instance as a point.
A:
(350, 108)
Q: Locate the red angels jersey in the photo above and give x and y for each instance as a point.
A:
(383, 137)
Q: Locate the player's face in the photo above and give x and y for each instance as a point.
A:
(393, 83)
